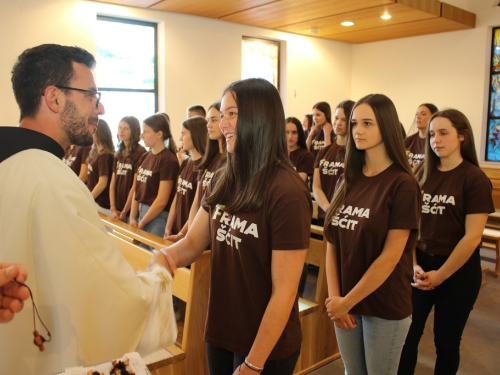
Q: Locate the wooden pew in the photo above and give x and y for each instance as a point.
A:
(189, 285)
(319, 344)
(491, 240)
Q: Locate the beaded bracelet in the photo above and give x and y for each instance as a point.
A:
(253, 367)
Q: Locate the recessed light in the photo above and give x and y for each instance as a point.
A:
(347, 23)
(386, 16)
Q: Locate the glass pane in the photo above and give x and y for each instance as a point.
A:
(260, 60)
(495, 96)
(125, 55)
(496, 51)
(493, 145)
(120, 104)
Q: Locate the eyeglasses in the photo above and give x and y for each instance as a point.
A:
(97, 94)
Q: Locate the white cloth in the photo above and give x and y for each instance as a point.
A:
(87, 294)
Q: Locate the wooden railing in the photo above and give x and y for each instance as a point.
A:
(189, 285)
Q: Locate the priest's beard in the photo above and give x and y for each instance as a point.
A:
(75, 126)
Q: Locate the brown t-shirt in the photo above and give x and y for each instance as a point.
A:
(318, 142)
(205, 177)
(100, 165)
(415, 149)
(124, 168)
(75, 157)
(373, 206)
(302, 160)
(152, 169)
(448, 197)
(185, 190)
(331, 166)
(242, 245)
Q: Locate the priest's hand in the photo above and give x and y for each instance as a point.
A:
(12, 294)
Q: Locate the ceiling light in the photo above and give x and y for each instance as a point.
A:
(314, 31)
(347, 23)
(386, 16)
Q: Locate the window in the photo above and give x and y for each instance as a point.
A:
(260, 59)
(493, 139)
(126, 69)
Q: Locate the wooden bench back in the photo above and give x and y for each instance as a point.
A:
(189, 285)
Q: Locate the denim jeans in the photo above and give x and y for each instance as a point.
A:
(453, 301)
(155, 226)
(224, 362)
(374, 346)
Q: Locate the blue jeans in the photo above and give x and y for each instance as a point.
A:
(155, 226)
(374, 346)
(224, 362)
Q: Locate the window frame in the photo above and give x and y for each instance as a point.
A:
(269, 41)
(490, 118)
(155, 28)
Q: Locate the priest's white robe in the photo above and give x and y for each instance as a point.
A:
(89, 297)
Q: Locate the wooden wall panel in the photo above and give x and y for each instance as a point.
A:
(493, 174)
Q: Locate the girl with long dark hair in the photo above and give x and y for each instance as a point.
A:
(156, 175)
(371, 228)
(100, 165)
(193, 139)
(301, 159)
(415, 143)
(329, 164)
(446, 266)
(121, 189)
(257, 217)
(321, 134)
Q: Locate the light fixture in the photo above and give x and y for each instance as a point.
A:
(347, 23)
(314, 31)
(386, 16)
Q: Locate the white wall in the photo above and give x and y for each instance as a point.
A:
(447, 69)
(200, 56)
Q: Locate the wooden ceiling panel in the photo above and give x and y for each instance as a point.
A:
(405, 30)
(209, 8)
(130, 3)
(409, 17)
(363, 19)
(286, 12)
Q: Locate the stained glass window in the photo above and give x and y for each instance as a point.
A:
(260, 59)
(126, 69)
(493, 139)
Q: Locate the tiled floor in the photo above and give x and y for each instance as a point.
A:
(480, 348)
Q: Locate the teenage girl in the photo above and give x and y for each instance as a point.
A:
(156, 175)
(257, 217)
(75, 157)
(321, 134)
(193, 139)
(371, 228)
(214, 158)
(121, 190)
(301, 159)
(100, 165)
(447, 267)
(329, 164)
(415, 143)
(307, 123)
